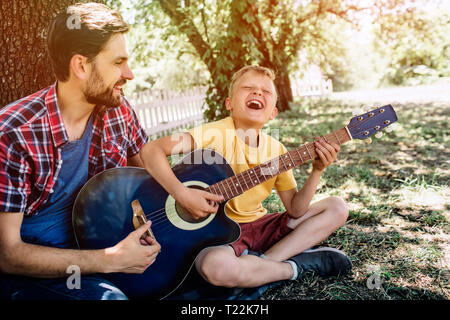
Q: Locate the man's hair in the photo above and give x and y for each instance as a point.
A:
(84, 29)
(238, 74)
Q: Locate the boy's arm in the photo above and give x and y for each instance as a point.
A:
(297, 202)
(154, 157)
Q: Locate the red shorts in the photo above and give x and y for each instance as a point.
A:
(262, 234)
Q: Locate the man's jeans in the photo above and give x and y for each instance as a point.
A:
(92, 287)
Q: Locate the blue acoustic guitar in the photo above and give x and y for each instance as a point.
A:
(116, 201)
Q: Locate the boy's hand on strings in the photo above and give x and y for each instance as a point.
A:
(199, 203)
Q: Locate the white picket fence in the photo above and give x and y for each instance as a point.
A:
(303, 88)
(162, 112)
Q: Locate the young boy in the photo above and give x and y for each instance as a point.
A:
(274, 246)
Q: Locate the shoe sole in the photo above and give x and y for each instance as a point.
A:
(326, 249)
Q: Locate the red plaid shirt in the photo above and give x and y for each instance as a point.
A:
(32, 134)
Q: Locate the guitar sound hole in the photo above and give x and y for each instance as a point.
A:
(184, 214)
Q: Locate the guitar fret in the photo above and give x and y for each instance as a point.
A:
(301, 158)
(218, 187)
(225, 189)
(238, 184)
(232, 183)
(284, 164)
(245, 182)
(337, 137)
(270, 171)
(229, 188)
(293, 162)
(256, 176)
(211, 188)
(306, 145)
(250, 178)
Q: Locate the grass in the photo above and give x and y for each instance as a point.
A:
(397, 189)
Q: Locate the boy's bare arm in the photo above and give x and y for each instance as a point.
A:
(297, 202)
(18, 257)
(154, 156)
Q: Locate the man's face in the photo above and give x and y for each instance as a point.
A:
(253, 99)
(109, 72)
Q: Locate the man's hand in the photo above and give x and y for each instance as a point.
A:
(327, 152)
(133, 254)
(198, 203)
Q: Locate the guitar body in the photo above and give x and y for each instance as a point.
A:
(103, 216)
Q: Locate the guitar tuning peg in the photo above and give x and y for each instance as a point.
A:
(379, 135)
(356, 112)
(390, 129)
(368, 140)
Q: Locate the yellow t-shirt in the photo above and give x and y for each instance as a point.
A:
(221, 137)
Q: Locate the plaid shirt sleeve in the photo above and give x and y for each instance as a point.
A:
(136, 134)
(15, 186)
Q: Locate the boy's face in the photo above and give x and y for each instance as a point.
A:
(253, 99)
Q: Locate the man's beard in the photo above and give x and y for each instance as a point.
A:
(99, 94)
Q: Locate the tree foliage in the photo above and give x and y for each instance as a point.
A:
(229, 34)
(417, 43)
(181, 43)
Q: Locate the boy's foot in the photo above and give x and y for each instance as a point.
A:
(323, 261)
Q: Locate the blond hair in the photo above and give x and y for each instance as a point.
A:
(238, 74)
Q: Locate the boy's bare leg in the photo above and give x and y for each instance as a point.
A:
(221, 267)
(318, 223)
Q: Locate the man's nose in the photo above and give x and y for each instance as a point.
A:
(127, 73)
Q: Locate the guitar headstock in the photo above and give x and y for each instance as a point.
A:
(371, 122)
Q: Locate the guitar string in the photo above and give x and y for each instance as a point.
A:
(160, 215)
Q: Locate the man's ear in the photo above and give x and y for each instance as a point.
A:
(228, 103)
(79, 67)
(274, 113)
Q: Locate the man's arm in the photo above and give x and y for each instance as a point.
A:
(154, 156)
(18, 257)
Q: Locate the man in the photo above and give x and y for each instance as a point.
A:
(51, 142)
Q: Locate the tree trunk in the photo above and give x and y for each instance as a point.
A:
(283, 84)
(24, 63)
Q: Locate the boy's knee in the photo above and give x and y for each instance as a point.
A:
(340, 208)
(219, 270)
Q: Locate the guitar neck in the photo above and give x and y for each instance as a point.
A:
(236, 185)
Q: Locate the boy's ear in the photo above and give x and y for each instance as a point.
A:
(79, 67)
(228, 103)
(274, 113)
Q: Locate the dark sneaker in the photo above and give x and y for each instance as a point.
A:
(323, 261)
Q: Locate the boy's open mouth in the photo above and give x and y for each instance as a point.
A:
(254, 104)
